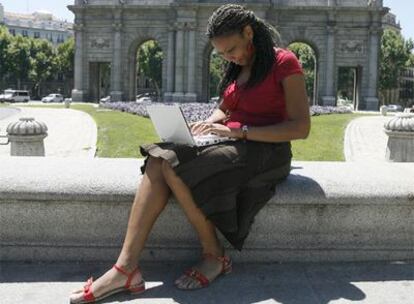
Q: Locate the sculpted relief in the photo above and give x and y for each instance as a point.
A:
(352, 47)
(100, 43)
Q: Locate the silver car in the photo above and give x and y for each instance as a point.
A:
(53, 98)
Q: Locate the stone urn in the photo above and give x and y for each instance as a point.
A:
(400, 131)
(67, 103)
(383, 110)
(26, 137)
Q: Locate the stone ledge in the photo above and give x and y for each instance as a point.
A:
(77, 209)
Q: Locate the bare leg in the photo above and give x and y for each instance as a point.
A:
(149, 201)
(205, 229)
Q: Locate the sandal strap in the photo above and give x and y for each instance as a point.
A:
(197, 275)
(129, 276)
(87, 292)
(225, 260)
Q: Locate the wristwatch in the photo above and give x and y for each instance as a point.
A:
(245, 130)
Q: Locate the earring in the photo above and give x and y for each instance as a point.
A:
(250, 47)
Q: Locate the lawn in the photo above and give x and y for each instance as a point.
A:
(326, 139)
(120, 134)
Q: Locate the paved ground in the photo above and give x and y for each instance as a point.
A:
(71, 133)
(290, 283)
(365, 139)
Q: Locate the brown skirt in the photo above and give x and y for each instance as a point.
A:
(230, 182)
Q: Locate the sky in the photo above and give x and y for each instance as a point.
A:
(402, 8)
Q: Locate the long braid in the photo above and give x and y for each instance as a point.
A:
(231, 19)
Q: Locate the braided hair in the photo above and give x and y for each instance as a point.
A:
(231, 19)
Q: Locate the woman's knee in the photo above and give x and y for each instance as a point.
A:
(167, 170)
(154, 167)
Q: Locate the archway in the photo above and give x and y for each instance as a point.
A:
(348, 86)
(99, 80)
(216, 70)
(148, 71)
(308, 58)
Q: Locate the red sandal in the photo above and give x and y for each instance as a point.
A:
(201, 278)
(88, 296)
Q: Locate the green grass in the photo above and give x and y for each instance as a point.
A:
(326, 138)
(120, 134)
(3, 104)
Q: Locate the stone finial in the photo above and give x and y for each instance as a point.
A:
(27, 126)
(26, 137)
(400, 123)
(400, 131)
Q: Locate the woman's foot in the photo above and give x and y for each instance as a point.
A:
(115, 279)
(202, 274)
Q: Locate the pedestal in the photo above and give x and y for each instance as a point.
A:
(371, 103)
(78, 95)
(116, 96)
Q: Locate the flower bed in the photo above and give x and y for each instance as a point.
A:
(200, 111)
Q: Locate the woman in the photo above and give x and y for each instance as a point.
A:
(223, 186)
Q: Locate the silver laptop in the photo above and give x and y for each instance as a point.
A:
(171, 126)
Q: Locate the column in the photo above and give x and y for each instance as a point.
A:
(178, 95)
(116, 70)
(371, 101)
(191, 95)
(78, 93)
(329, 98)
(168, 95)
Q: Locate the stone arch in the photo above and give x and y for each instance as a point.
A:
(316, 51)
(207, 49)
(134, 44)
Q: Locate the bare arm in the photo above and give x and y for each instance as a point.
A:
(298, 124)
(218, 115)
(296, 127)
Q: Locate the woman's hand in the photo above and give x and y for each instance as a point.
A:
(204, 128)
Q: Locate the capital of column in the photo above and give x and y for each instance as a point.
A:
(185, 26)
(78, 27)
(331, 29)
(117, 26)
(375, 30)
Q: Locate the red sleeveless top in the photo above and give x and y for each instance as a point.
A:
(264, 104)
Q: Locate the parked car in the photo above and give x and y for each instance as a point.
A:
(10, 95)
(394, 108)
(105, 99)
(53, 98)
(215, 99)
(145, 97)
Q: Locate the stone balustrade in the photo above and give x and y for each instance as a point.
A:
(64, 209)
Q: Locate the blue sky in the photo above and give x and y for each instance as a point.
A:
(402, 8)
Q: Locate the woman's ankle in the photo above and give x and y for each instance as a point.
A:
(126, 264)
(215, 250)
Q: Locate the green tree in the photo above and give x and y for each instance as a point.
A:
(149, 60)
(216, 73)
(43, 63)
(18, 57)
(307, 58)
(394, 55)
(5, 40)
(65, 58)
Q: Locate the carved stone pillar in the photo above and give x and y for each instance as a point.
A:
(329, 98)
(78, 92)
(371, 101)
(168, 96)
(179, 63)
(116, 69)
(191, 95)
